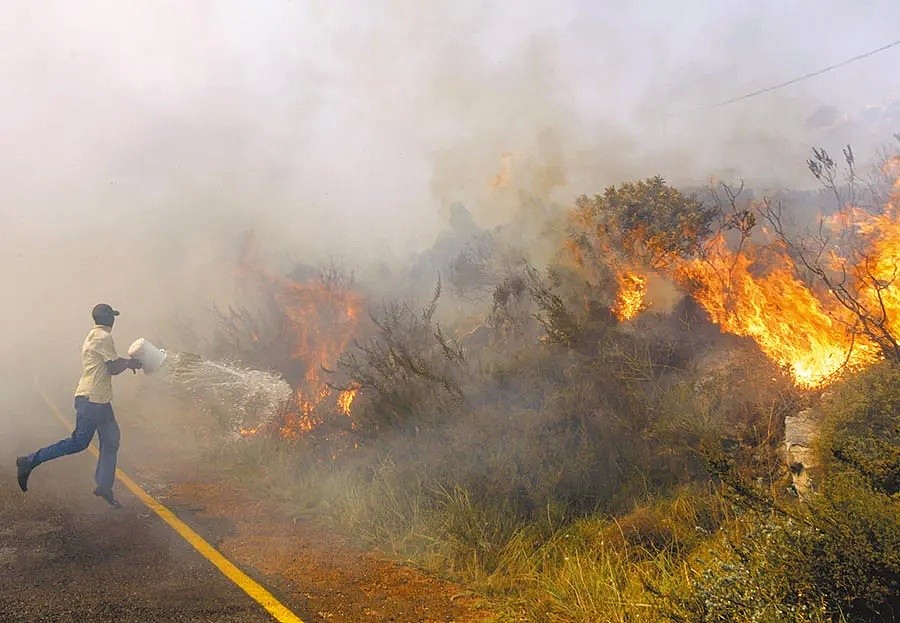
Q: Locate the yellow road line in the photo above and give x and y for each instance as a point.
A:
(263, 597)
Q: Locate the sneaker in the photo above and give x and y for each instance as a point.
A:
(107, 495)
(23, 467)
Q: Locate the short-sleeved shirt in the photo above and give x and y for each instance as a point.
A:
(96, 381)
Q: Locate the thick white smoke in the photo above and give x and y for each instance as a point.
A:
(143, 139)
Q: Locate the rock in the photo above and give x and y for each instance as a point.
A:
(799, 433)
(800, 429)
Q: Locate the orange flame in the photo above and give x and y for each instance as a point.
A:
(320, 318)
(323, 320)
(878, 269)
(790, 323)
(806, 330)
(630, 296)
(249, 431)
(345, 400)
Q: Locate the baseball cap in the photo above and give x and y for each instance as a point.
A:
(102, 310)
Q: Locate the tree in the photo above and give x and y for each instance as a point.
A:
(648, 222)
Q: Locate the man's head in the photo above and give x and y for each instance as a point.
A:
(104, 315)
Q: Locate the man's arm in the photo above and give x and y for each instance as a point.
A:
(118, 366)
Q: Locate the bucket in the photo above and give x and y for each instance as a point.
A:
(151, 357)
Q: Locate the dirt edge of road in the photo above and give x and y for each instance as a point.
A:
(316, 567)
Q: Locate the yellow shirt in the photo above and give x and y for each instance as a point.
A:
(96, 381)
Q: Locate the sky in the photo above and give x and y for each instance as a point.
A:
(143, 140)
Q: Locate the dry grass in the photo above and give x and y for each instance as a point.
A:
(570, 482)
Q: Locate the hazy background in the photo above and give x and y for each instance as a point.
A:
(141, 140)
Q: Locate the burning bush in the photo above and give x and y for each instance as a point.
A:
(855, 255)
(506, 450)
(633, 228)
(815, 303)
(844, 314)
(296, 326)
(647, 222)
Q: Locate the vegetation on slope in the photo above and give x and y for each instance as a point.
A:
(585, 469)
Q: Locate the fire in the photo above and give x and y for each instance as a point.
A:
(630, 296)
(323, 319)
(249, 431)
(877, 269)
(345, 399)
(320, 317)
(794, 326)
(805, 329)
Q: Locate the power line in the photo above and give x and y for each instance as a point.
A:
(809, 75)
(781, 85)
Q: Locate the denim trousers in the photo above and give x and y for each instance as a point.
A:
(90, 417)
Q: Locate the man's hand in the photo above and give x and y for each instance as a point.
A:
(135, 365)
(120, 365)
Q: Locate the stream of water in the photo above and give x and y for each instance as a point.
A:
(245, 397)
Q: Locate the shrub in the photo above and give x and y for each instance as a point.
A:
(650, 221)
(862, 428)
(409, 368)
(836, 556)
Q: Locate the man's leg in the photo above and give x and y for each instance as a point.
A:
(85, 426)
(108, 430)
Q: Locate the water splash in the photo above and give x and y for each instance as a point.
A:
(246, 399)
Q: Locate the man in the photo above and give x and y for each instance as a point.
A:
(93, 411)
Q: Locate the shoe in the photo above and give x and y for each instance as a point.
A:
(107, 495)
(23, 467)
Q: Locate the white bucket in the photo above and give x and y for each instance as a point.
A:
(151, 357)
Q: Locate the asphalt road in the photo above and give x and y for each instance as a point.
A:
(67, 556)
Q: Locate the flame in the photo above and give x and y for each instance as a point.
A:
(320, 317)
(794, 326)
(805, 329)
(631, 294)
(250, 431)
(879, 268)
(757, 293)
(846, 219)
(323, 319)
(345, 399)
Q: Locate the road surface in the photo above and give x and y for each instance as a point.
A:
(65, 555)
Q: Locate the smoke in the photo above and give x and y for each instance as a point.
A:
(143, 139)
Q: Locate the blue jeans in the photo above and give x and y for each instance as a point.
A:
(90, 417)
